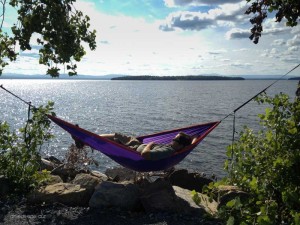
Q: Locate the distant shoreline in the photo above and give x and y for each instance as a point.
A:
(149, 78)
(177, 78)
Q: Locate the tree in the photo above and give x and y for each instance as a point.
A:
(288, 9)
(60, 31)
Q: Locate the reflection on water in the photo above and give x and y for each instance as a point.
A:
(142, 107)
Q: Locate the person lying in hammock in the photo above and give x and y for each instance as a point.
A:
(151, 151)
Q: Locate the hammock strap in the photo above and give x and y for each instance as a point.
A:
(27, 137)
(262, 91)
(28, 103)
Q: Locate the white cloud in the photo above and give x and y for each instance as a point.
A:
(135, 46)
(278, 42)
(295, 41)
(180, 3)
(223, 16)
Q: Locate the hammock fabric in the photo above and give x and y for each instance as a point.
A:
(131, 159)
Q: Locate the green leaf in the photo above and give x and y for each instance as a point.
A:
(231, 203)
(230, 221)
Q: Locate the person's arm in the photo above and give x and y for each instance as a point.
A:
(146, 152)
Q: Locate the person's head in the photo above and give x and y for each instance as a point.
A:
(181, 140)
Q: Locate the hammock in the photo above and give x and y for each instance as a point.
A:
(131, 159)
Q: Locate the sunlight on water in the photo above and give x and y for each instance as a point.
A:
(139, 107)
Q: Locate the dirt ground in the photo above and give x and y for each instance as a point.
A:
(18, 212)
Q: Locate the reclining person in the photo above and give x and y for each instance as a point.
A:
(150, 151)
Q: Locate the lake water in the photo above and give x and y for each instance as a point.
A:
(143, 107)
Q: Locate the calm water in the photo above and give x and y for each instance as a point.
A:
(142, 107)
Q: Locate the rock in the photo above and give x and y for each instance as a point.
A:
(100, 175)
(121, 174)
(66, 174)
(207, 204)
(191, 181)
(185, 203)
(122, 195)
(65, 193)
(87, 181)
(4, 186)
(54, 179)
(50, 163)
(158, 196)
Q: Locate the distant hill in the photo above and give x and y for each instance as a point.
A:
(294, 78)
(265, 77)
(199, 77)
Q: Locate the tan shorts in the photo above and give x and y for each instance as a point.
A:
(128, 141)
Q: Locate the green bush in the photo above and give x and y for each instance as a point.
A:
(266, 164)
(19, 152)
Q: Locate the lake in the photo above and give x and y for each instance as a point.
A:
(143, 107)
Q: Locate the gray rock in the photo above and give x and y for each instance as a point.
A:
(54, 179)
(206, 205)
(122, 195)
(158, 196)
(191, 181)
(87, 181)
(65, 193)
(100, 175)
(185, 203)
(121, 174)
(49, 163)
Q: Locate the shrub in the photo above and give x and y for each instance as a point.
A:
(19, 153)
(266, 164)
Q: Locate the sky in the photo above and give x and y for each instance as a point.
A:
(176, 37)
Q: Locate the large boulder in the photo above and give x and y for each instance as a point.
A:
(186, 204)
(121, 195)
(188, 180)
(158, 196)
(65, 193)
(87, 181)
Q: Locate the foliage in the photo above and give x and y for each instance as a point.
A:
(288, 9)
(60, 31)
(19, 153)
(266, 165)
(78, 158)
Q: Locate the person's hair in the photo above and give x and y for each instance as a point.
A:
(183, 139)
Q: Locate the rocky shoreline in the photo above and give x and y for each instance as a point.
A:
(119, 196)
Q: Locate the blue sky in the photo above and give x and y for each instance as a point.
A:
(176, 37)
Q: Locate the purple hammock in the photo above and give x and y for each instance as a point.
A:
(131, 159)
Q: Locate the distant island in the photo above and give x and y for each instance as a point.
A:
(193, 77)
(294, 78)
